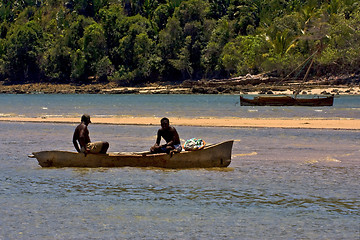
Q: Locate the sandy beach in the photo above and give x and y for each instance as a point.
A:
(298, 123)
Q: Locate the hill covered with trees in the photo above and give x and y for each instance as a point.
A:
(135, 41)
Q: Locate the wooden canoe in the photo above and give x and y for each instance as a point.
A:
(284, 100)
(215, 155)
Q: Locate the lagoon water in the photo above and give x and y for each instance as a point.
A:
(281, 184)
(99, 105)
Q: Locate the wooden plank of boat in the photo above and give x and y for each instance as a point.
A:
(287, 101)
(315, 102)
(215, 155)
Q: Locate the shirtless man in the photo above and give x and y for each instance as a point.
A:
(171, 137)
(81, 135)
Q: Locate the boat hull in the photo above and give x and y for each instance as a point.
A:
(216, 155)
(287, 101)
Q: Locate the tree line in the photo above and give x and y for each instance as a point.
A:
(135, 41)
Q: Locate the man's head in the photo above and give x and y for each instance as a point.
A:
(165, 123)
(86, 119)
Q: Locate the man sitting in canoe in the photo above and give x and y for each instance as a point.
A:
(81, 135)
(171, 137)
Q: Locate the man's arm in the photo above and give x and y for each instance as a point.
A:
(157, 143)
(84, 139)
(75, 138)
(76, 144)
(158, 138)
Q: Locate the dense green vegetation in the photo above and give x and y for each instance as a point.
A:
(135, 41)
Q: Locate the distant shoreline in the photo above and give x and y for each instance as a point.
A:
(291, 123)
(225, 86)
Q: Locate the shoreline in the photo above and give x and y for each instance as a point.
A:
(195, 87)
(288, 123)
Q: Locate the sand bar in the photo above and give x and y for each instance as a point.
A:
(303, 123)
